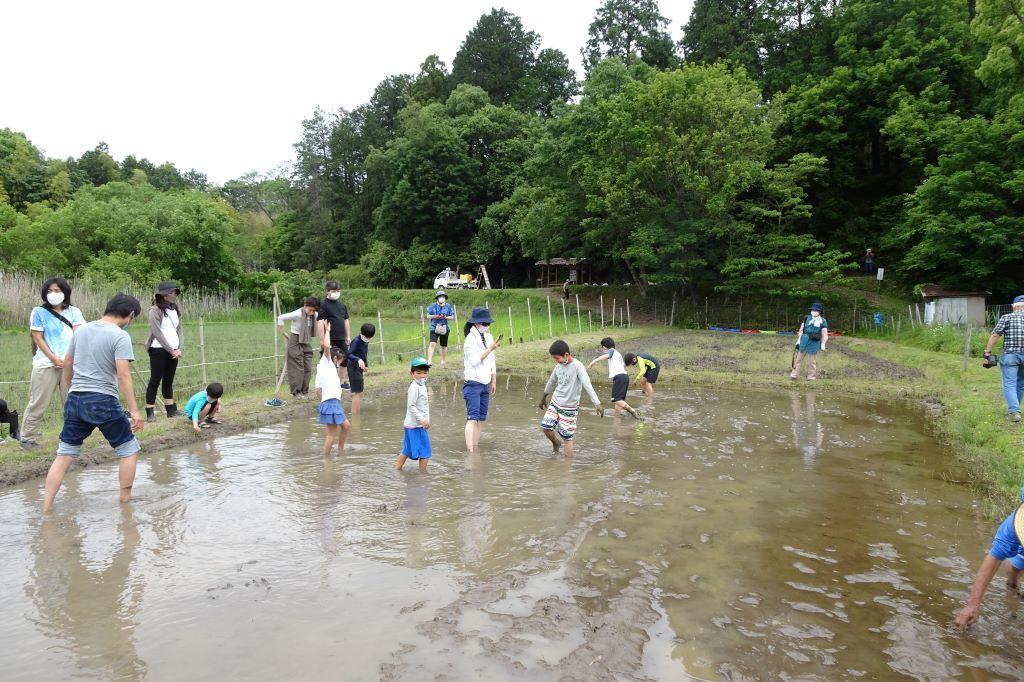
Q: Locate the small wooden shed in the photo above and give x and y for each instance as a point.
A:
(946, 306)
(554, 271)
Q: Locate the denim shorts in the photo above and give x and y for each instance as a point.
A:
(478, 398)
(86, 411)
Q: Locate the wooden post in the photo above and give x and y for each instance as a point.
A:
(629, 317)
(655, 308)
(202, 349)
(706, 323)
(423, 329)
(380, 335)
(854, 317)
(899, 323)
(602, 311)
(672, 315)
(590, 319)
(613, 313)
(967, 347)
(511, 331)
(277, 311)
(579, 318)
(529, 313)
(740, 325)
(455, 321)
(551, 329)
(565, 318)
(910, 312)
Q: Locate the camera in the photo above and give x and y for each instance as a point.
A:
(990, 361)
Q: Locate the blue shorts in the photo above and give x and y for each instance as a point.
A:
(331, 412)
(416, 444)
(86, 411)
(478, 399)
(1017, 562)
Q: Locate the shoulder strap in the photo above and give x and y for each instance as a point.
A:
(60, 317)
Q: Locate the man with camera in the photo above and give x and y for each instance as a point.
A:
(1011, 362)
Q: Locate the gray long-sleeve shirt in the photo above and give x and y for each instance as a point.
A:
(417, 407)
(567, 382)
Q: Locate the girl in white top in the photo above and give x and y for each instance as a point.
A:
(480, 373)
(617, 373)
(164, 346)
(328, 386)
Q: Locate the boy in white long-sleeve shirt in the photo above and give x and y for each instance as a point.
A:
(567, 382)
(416, 444)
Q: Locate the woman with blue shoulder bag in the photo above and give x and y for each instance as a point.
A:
(813, 336)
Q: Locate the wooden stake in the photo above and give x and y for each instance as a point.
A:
(423, 329)
(602, 311)
(529, 313)
(551, 328)
(579, 318)
(967, 347)
(565, 318)
(202, 349)
(629, 318)
(380, 335)
(672, 315)
(511, 331)
(277, 311)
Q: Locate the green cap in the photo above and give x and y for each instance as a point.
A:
(419, 361)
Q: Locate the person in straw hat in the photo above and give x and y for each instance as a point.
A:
(1008, 544)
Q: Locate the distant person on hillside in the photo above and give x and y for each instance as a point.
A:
(617, 373)
(358, 363)
(96, 366)
(1011, 362)
(335, 313)
(298, 345)
(564, 387)
(565, 290)
(1007, 544)
(650, 368)
(480, 373)
(51, 326)
(328, 386)
(204, 406)
(812, 338)
(870, 262)
(164, 346)
(441, 313)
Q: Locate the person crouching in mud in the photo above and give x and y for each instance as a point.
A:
(1007, 544)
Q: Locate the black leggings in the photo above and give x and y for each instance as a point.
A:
(161, 369)
(11, 419)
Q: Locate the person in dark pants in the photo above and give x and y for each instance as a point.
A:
(9, 417)
(298, 345)
(164, 346)
(334, 313)
(358, 361)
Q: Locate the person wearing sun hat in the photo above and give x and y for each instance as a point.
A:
(1011, 362)
(813, 336)
(1007, 544)
(480, 373)
(440, 313)
(416, 443)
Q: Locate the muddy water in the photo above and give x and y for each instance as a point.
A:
(732, 535)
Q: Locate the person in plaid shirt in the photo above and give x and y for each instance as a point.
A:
(1011, 362)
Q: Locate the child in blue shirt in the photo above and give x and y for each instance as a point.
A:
(203, 407)
(358, 360)
(1007, 544)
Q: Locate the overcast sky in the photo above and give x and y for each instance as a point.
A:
(222, 86)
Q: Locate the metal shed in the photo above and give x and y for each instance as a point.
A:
(553, 271)
(946, 306)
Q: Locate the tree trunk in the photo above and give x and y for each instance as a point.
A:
(638, 279)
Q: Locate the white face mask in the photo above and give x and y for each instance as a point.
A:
(815, 313)
(421, 382)
(442, 300)
(55, 297)
(334, 295)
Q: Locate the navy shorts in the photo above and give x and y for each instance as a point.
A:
(620, 386)
(355, 378)
(652, 374)
(478, 399)
(86, 411)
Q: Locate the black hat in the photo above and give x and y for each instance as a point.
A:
(481, 316)
(167, 288)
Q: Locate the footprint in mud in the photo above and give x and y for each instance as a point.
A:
(415, 607)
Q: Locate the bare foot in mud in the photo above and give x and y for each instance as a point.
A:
(555, 445)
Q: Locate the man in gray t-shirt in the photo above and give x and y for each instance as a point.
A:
(98, 363)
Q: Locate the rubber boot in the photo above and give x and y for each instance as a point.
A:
(150, 415)
(172, 409)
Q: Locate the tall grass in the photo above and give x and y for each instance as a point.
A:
(19, 293)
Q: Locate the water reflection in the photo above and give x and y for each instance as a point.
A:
(808, 430)
(90, 603)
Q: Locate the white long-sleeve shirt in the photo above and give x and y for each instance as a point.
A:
(476, 369)
(567, 383)
(295, 317)
(417, 407)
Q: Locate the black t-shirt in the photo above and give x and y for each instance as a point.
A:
(335, 313)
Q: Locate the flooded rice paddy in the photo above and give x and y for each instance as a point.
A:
(733, 535)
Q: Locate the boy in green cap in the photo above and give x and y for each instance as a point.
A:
(416, 444)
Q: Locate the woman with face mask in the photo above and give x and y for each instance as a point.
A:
(51, 325)
(481, 374)
(813, 336)
(164, 345)
(440, 313)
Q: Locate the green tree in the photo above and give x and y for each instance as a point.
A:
(497, 56)
(551, 82)
(628, 28)
(120, 267)
(22, 170)
(433, 83)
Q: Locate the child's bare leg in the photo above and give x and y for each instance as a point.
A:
(555, 443)
(423, 466)
(54, 477)
(444, 354)
(400, 462)
(648, 388)
(623, 405)
(1012, 575)
(478, 430)
(568, 448)
(343, 429)
(469, 435)
(329, 439)
(126, 476)
(430, 352)
(357, 402)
